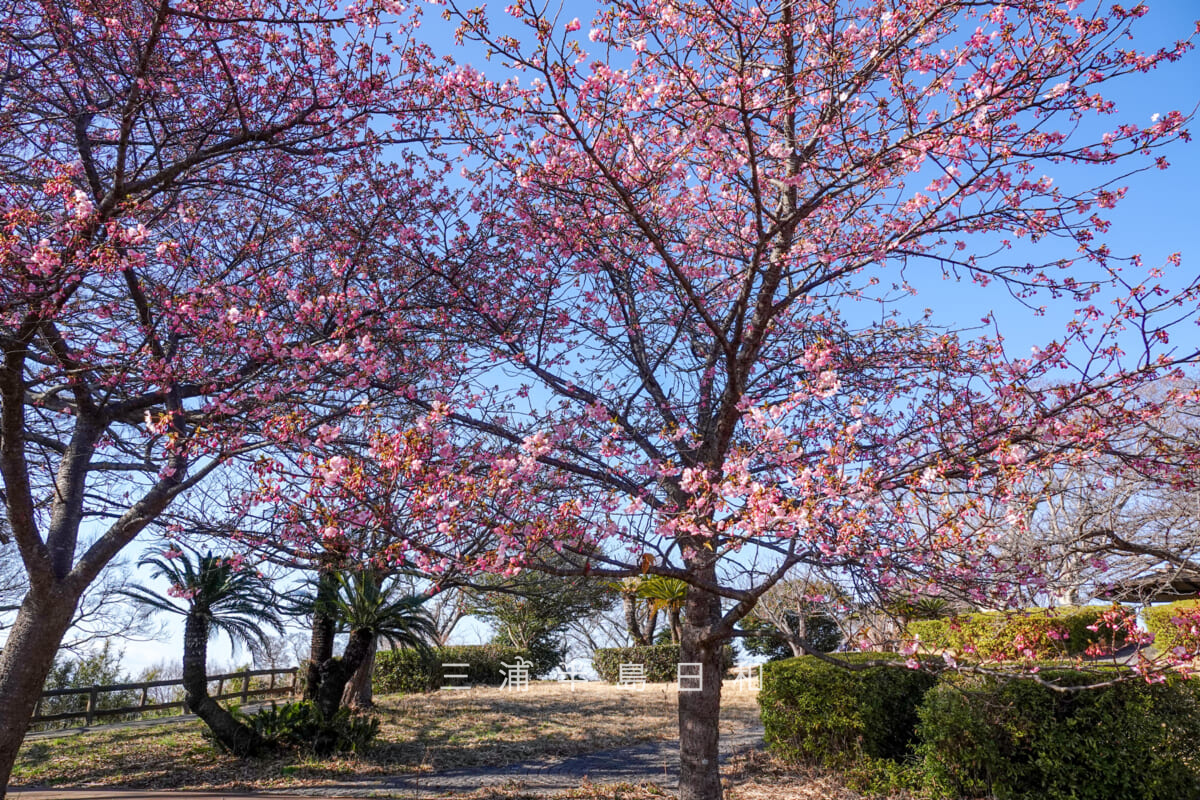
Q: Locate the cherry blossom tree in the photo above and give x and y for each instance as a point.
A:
(192, 195)
(1125, 523)
(685, 313)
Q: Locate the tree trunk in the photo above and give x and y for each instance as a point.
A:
(629, 603)
(358, 692)
(335, 672)
(676, 625)
(237, 738)
(699, 711)
(796, 634)
(651, 624)
(324, 628)
(28, 655)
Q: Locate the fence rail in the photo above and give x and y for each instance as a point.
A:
(243, 690)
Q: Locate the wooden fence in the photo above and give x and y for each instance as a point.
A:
(243, 688)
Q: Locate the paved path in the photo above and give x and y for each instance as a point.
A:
(654, 762)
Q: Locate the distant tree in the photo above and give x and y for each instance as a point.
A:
(214, 595)
(763, 638)
(1128, 520)
(801, 612)
(665, 594)
(641, 618)
(99, 617)
(100, 667)
(531, 611)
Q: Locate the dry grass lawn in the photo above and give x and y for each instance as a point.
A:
(419, 733)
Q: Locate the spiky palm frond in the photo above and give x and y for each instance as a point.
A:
(664, 593)
(229, 599)
(368, 601)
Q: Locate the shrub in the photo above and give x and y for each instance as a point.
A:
(661, 661)
(302, 725)
(1038, 633)
(1014, 738)
(1175, 625)
(407, 671)
(815, 712)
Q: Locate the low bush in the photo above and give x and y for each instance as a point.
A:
(1012, 739)
(1175, 625)
(661, 661)
(408, 671)
(816, 712)
(1035, 633)
(303, 725)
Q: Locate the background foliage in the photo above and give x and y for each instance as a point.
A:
(410, 671)
(1045, 633)
(1169, 634)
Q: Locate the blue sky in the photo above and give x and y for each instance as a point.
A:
(1158, 216)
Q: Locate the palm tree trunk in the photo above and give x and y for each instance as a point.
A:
(358, 692)
(629, 603)
(231, 734)
(651, 623)
(335, 672)
(323, 631)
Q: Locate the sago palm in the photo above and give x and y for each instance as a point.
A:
(668, 594)
(214, 595)
(372, 609)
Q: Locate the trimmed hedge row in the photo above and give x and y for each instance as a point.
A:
(407, 671)
(661, 661)
(1037, 633)
(816, 712)
(1015, 739)
(1169, 634)
(961, 736)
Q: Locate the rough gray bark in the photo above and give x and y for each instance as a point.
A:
(699, 711)
(28, 654)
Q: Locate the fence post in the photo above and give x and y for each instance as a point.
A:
(93, 702)
(145, 695)
(245, 687)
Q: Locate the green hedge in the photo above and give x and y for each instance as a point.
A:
(1046, 633)
(407, 671)
(1015, 739)
(1167, 634)
(661, 661)
(815, 712)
